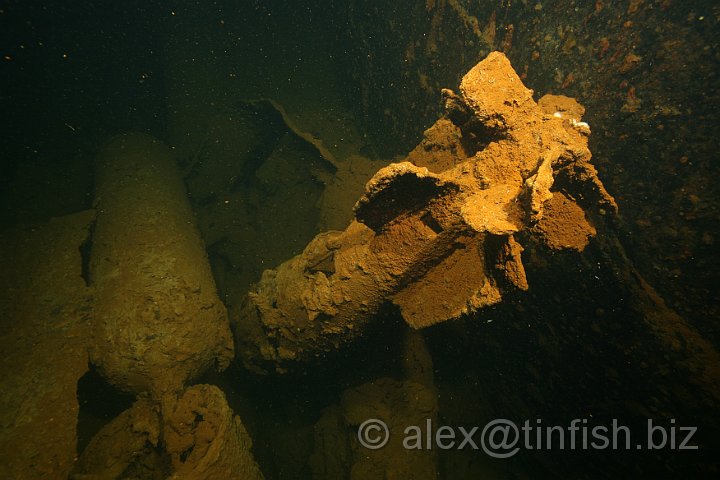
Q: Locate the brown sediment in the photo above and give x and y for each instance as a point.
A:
(44, 312)
(195, 435)
(436, 233)
(157, 321)
(157, 325)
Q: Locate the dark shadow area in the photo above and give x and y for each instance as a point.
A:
(365, 77)
(99, 403)
(563, 352)
(280, 411)
(70, 76)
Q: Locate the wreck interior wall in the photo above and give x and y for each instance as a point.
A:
(646, 71)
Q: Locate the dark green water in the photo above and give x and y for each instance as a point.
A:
(363, 77)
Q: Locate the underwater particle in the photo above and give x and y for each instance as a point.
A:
(570, 42)
(535, 55)
(603, 47)
(507, 40)
(632, 103)
(634, 6)
(581, 127)
(629, 62)
(490, 30)
(707, 239)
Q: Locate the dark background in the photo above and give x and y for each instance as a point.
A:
(647, 72)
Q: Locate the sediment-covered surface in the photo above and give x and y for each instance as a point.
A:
(195, 435)
(435, 234)
(646, 70)
(45, 310)
(625, 329)
(157, 320)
